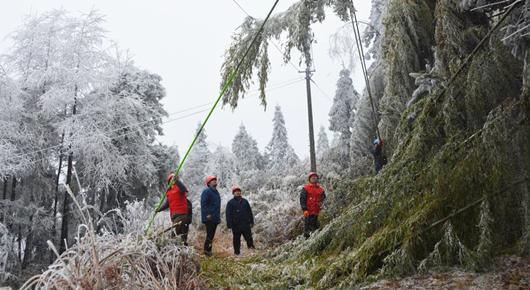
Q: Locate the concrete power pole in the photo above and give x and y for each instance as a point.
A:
(312, 154)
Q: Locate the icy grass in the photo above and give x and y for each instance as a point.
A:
(131, 260)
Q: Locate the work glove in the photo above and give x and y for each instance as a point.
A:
(306, 214)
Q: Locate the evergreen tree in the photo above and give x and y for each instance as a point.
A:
(342, 113)
(322, 143)
(194, 168)
(279, 153)
(246, 152)
(223, 166)
(373, 32)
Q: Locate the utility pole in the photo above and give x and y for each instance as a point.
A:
(312, 155)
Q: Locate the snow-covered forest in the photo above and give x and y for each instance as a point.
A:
(449, 81)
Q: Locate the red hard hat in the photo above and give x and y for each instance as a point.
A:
(235, 188)
(170, 176)
(210, 178)
(311, 174)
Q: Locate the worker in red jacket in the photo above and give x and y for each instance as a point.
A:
(177, 203)
(311, 199)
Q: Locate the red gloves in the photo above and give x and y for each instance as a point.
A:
(306, 214)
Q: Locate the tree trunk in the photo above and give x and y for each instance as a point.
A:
(19, 243)
(111, 199)
(54, 229)
(29, 238)
(4, 197)
(13, 188)
(66, 203)
(14, 185)
(5, 187)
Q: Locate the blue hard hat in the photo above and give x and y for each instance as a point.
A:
(376, 141)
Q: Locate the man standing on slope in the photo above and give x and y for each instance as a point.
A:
(210, 212)
(176, 201)
(240, 219)
(311, 199)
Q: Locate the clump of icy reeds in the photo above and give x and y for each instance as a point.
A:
(120, 261)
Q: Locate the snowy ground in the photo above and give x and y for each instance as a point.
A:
(509, 273)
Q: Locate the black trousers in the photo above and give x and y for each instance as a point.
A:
(247, 234)
(311, 225)
(210, 234)
(185, 231)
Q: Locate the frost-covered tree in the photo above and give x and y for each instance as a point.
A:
(115, 150)
(222, 165)
(279, 153)
(323, 142)
(246, 152)
(363, 130)
(195, 165)
(375, 29)
(342, 113)
(11, 139)
(59, 85)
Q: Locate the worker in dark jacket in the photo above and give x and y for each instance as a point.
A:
(210, 212)
(311, 199)
(176, 201)
(379, 159)
(240, 219)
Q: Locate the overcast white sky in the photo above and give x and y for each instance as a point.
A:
(184, 43)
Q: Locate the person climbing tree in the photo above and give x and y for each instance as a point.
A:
(240, 219)
(176, 201)
(379, 158)
(311, 199)
(210, 212)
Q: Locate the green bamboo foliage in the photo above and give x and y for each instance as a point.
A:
(294, 24)
(406, 47)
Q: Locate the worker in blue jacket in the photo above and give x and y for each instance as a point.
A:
(210, 212)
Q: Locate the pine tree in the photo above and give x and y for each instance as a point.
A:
(195, 165)
(342, 113)
(373, 32)
(223, 166)
(279, 153)
(322, 143)
(245, 149)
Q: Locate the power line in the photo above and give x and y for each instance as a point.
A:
(241, 8)
(272, 41)
(357, 34)
(321, 90)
